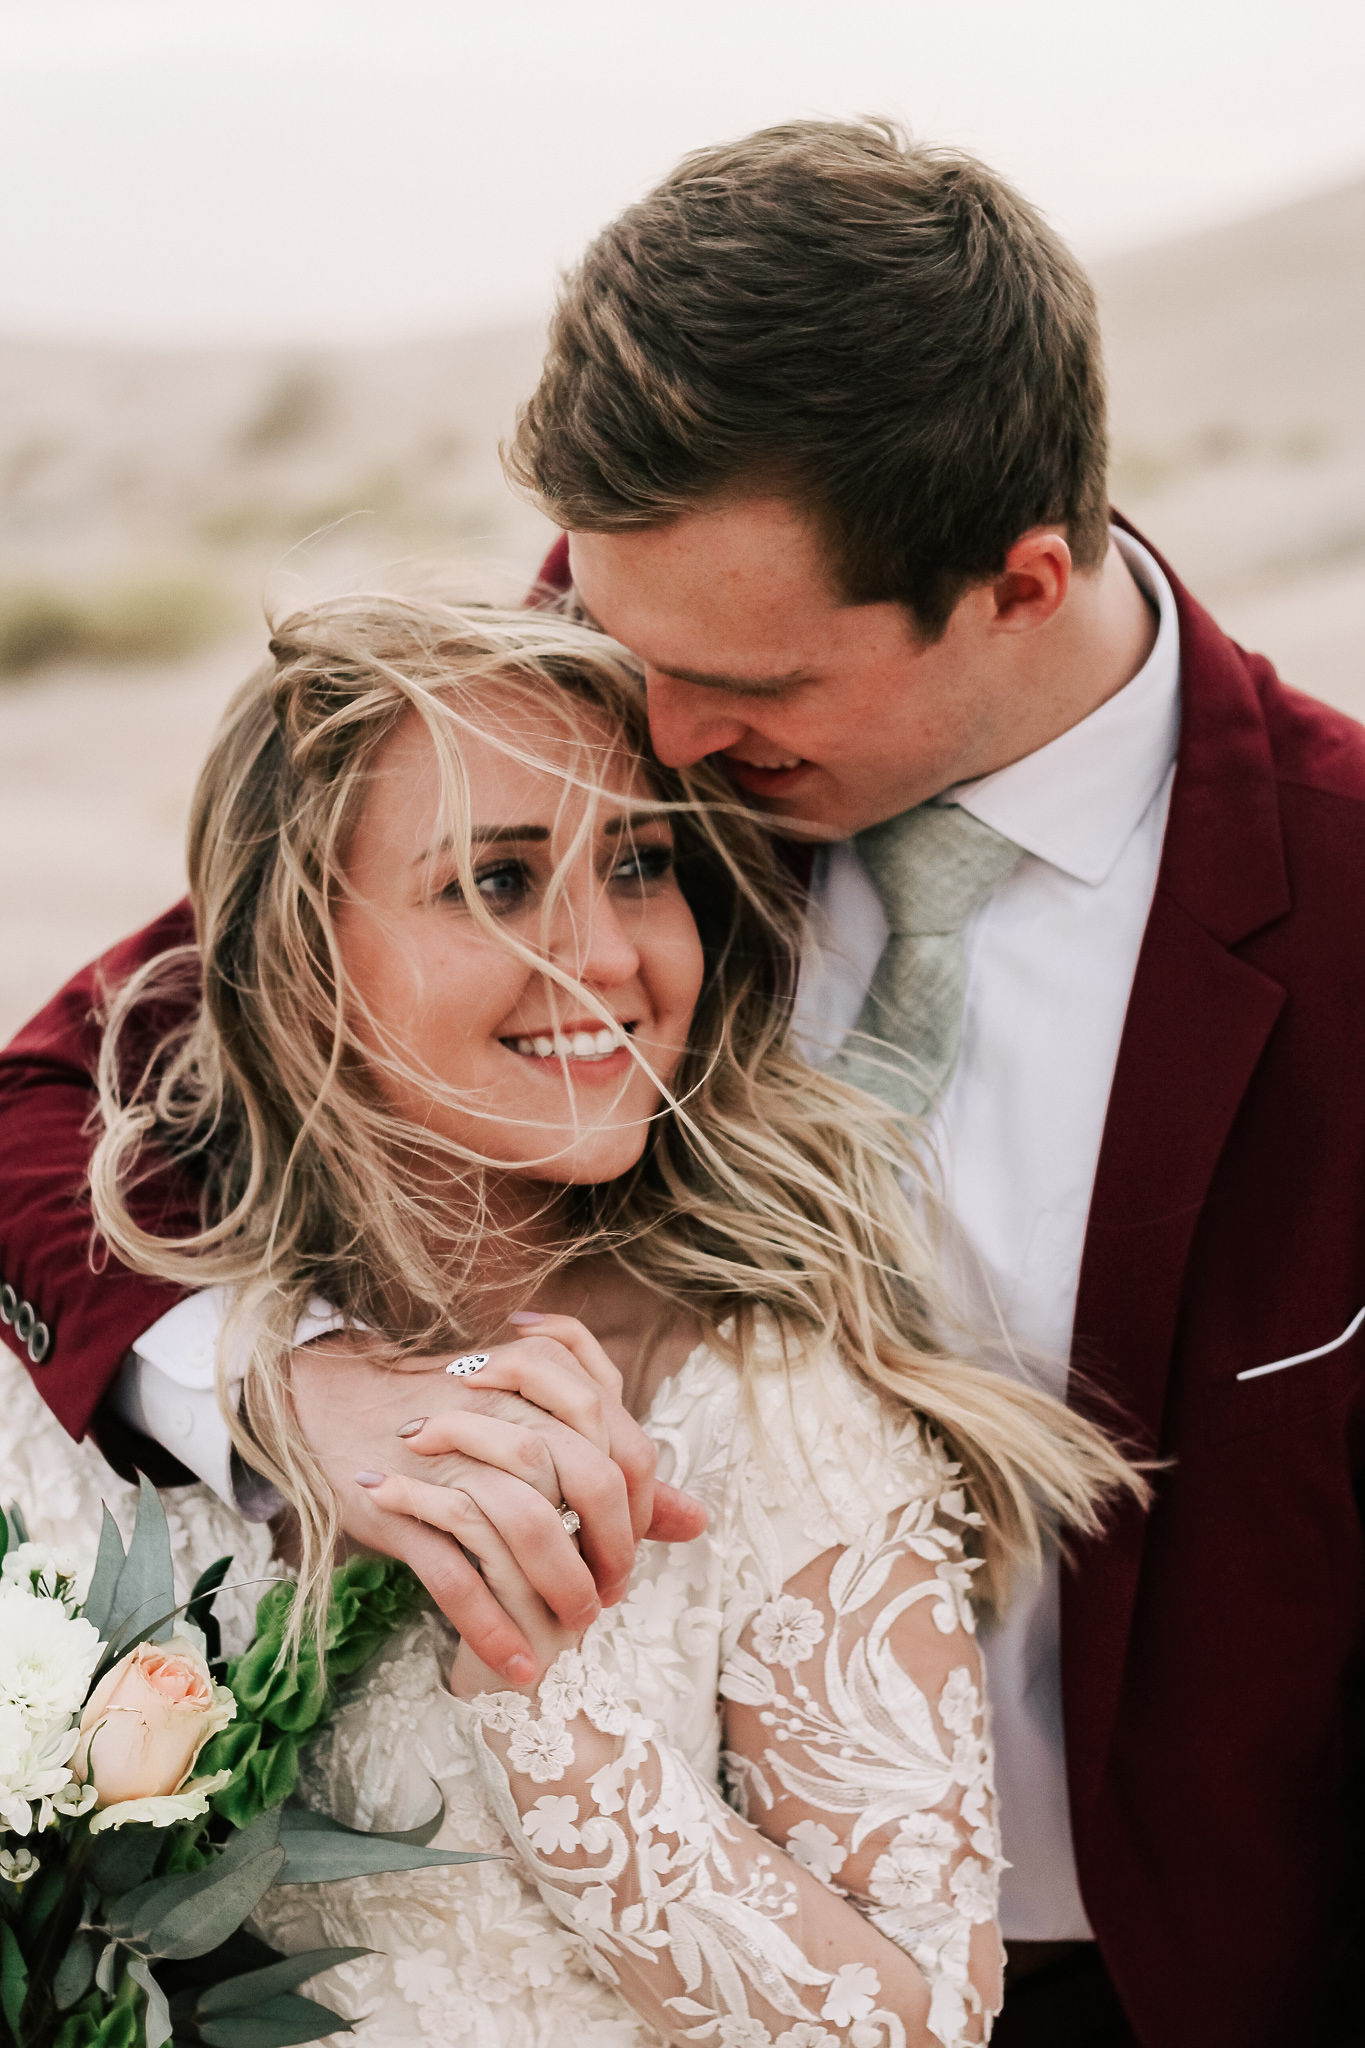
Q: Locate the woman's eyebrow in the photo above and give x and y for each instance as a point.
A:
(635, 821)
(486, 835)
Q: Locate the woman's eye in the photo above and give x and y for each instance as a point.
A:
(643, 865)
(503, 887)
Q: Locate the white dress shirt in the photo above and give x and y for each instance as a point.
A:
(1050, 961)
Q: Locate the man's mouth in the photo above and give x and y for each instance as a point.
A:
(589, 1043)
(763, 778)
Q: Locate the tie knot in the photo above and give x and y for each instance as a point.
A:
(932, 866)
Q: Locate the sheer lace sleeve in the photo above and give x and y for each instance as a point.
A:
(852, 1900)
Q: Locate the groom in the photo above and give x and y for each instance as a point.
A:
(823, 420)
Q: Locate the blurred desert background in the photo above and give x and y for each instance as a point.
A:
(152, 500)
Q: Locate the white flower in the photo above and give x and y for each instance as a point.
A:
(542, 1749)
(500, 1711)
(162, 1810)
(817, 1848)
(41, 1572)
(425, 1977)
(17, 1865)
(561, 1689)
(736, 2032)
(603, 1705)
(852, 1995)
(958, 1702)
(47, 1657)
(542, 1960)
(974, 1890)
(910, 1872)
(805, 2034)
(592, 1909)
(34, 1768)
(787, 1630)
(552, 1824)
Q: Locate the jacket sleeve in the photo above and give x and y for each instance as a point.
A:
(68, 1309)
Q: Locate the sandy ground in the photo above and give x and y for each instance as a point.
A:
(1240, 439)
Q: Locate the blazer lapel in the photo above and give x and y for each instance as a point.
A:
(1197, 1021)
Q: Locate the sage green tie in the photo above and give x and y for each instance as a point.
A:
(931, 867)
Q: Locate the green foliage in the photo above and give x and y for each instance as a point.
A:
(279, 1701)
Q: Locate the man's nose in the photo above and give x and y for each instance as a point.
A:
(686, 723)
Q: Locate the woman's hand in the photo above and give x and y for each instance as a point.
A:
(541, 1425)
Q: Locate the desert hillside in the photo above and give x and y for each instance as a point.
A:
(148, 500)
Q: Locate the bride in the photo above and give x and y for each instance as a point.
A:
(494, 1026)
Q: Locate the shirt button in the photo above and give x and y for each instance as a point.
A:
(25, 1316)
(9, 1303)
(39, 1343)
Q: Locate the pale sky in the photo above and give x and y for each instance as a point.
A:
(344, 170)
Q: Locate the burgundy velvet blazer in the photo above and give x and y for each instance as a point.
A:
(1213, 1650)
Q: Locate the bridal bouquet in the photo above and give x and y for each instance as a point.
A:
(143, 1797)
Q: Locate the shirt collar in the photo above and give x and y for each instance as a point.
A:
(1076, 802)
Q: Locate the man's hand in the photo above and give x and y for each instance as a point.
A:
(416, 1457)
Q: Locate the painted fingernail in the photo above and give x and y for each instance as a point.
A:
(520, 1670)
(369, 1478)
(411, 1428)
(524, 1316)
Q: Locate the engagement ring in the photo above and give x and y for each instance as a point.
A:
(467, 1363)
(569, 1517)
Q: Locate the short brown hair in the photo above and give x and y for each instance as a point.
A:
(886, 333)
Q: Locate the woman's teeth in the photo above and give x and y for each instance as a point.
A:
(570, 1045)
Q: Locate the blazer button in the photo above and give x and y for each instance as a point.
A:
(9, 1302)
(25, 1316)
(39, 1343)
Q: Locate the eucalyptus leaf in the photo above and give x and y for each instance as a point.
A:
(104, 1968)
(108, 1564)
(18, 1526)
(13, 1978)
(123, 1858)
(158, 2016)
(191, 1927)
(139, 1916)
(286, 1975)
(75, 1973)
(278, 2023)
(146, 1584)
(321, 1850)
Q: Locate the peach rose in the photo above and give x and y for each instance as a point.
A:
(147, 1720)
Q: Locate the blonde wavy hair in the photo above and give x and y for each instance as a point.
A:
(764, 1188)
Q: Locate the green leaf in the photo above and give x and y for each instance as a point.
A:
(145, 1593)
(277, 2023)
(200, 1609)
(108, 1564)
(122, 1858)
(75, 1973)
(18, 1526)
(158, 2016)
(4, 1533)
(178, 1916)
(13, 1978)
(285, 1975)
(320, 1850)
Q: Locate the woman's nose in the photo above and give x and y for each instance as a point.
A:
(593, 942)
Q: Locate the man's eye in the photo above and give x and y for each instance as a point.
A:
(644, 864)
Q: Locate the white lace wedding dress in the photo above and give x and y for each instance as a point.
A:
(807, 1663)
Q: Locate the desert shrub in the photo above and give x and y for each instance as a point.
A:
(144, 617)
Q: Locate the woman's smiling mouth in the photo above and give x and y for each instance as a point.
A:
(584, 1044)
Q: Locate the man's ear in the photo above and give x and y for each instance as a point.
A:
(1032, 587)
